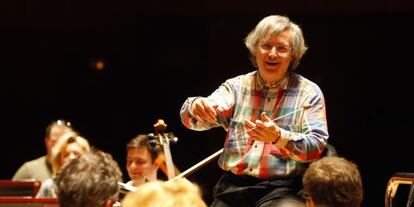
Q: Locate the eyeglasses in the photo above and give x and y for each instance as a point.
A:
(281, 49)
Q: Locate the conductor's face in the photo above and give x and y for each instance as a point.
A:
(273, 55)
(139, 163)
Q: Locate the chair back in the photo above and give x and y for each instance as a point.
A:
(27, 201)
(19, 188)
(23, 194)
(393, 184)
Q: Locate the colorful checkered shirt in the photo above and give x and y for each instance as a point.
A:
(303, 137)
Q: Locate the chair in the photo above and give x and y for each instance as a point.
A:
(27, 201)
(392, 187)
(19, 188)
(22, 194)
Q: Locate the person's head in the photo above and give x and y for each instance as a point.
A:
(177, 193)
(141, 157)
(333, 182)
(89, 180)
(289, 202)
(69, 146)
(54, 130)
(276, 45)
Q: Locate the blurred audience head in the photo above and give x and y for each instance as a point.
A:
(90, 180)
(289, 202)
(177, 193)
(333, 182)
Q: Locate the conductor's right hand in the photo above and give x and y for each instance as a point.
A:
(203, 110)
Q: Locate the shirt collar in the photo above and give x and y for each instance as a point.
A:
(260, 83)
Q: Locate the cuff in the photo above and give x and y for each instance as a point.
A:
(283, 139)
(190, 104)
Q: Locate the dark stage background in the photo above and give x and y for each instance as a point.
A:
(158, 53)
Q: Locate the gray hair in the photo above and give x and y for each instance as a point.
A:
(276, 24)
(89, 180)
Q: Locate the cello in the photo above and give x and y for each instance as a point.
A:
(160, 142)
(164, 160)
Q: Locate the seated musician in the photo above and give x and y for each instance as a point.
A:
(68, 147)
(142, 160)
(41, 168)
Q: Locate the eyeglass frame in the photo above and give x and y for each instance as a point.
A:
(281, 49)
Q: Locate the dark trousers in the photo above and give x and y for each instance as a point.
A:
(246, 191)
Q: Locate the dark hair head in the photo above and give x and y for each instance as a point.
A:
(58, 123)
(143, 140)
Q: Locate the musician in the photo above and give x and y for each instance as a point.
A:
(264, 156)
(41, 168)
(68, 147)
(141, 160)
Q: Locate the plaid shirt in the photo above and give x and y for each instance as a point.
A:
(303, 137)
